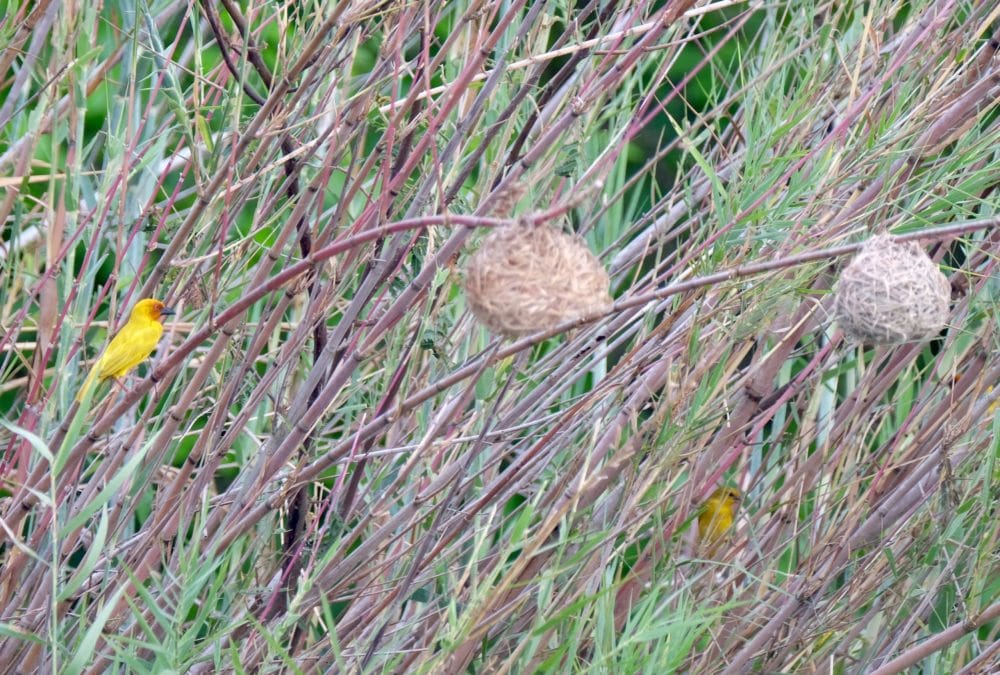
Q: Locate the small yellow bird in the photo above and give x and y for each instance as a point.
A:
(131, 346)
(717, 516)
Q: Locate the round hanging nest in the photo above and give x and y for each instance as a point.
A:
(526, 278)
(891, 293)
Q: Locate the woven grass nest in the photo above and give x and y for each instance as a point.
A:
(891, 293)
(526, 278)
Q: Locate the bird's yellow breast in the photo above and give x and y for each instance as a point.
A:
(130, 347)
(717, 516)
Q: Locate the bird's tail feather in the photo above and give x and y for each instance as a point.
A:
(88, 383)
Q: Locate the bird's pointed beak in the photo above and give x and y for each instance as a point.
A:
(166, 311)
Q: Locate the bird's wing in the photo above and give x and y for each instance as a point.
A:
(129, 348)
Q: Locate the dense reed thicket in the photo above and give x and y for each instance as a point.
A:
(330, 465)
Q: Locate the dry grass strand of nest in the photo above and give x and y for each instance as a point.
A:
(526, 278)
(891, 293)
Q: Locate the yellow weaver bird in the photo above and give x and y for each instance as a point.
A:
(131, 346)
(717, 516)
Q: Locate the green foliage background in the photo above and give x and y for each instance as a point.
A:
(330, 465)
